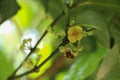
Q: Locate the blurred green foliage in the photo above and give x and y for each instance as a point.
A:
(98, 60)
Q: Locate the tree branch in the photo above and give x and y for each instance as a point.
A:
(33, 49)
(37, 67)
(13, 76)
(65, 41)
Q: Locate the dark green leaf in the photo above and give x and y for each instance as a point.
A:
(105, 12)
(89, 43)
(8, 8)
(64, 6)
(107, 3)
(92, 19)
(86, 64)
(107, 8)
(53, 7)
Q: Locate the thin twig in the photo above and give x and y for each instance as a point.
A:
(37, 67)
(33, 49)
(65, 41)
(51, 25)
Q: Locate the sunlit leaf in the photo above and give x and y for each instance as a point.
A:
(5, 67)
(29, 10)
(60, 76)
(44, 51)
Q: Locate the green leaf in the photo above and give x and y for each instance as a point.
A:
(65, 6)
(106, 12)
(85, 65)
(107, 3)
(6, 67)
(8, 9)
(29, 14)
(107, 8)
(109, 68)
(92, 19)
(89, 44)
(114, 74)
(89, 17)
(54, 7)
